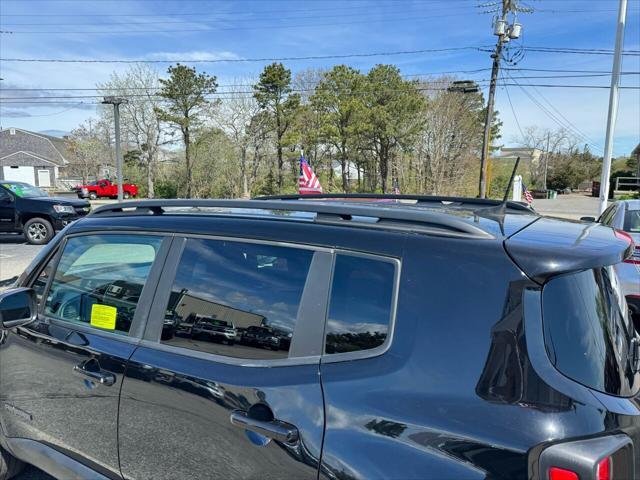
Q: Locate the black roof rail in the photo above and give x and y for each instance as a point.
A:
(481, 202)
(333, 213)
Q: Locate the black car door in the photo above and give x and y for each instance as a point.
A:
(60, 376)
(203, 406)
(7, 211)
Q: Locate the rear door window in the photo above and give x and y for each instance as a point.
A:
(588, 331)
(361, 304)
(236, 299)
(632, 221)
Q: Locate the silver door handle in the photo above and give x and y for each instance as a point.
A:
(106, 379)
(275, 429)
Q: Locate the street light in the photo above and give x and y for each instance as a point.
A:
(116, 101)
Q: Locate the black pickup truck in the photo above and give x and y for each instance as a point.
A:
(29, 210)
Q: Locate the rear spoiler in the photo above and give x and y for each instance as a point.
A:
(549, 247)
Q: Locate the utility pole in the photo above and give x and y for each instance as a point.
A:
(504, 33)
(613, 108)
(116, 101)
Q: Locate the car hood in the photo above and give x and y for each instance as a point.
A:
(59, 201)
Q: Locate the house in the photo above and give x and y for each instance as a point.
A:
(527, 155)
(31, 157)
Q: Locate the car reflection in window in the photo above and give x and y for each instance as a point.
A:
(236, 299)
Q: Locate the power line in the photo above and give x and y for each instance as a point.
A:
(427, 74)
(201, 20)
(241, 28)
(549, 114)
(552, 106)
(513, 110)
(240, 60)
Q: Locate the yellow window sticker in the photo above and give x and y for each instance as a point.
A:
(103, 316)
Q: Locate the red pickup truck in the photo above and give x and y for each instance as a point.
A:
(105, 188)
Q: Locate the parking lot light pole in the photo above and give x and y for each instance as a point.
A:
(116, 101)
(613, 108)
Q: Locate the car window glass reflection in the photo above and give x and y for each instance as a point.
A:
(236, 299)
(361, 304)
(99, 280)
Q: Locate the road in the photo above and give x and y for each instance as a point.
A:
(571, 206)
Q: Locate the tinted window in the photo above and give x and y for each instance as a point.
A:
(587, 331)
(99, 280)
(236, 299)
(361, 304)
(632, 221)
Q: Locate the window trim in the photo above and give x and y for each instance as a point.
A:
(140, 318)
(152, 333)
(386, 345)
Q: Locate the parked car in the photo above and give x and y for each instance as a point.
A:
(624, 215)
(105, 188)
(217, 330)
(28, 210)
(261, 337)
(418, 346)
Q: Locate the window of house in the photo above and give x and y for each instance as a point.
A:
(236, 299)
(361, 304)
(99, 280)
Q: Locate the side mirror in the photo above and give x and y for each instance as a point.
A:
(17, 307)
(588, 219)
(4, 199)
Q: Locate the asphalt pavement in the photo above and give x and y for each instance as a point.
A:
(15, 255)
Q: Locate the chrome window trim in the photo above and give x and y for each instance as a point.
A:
(372, 352)
(236, 361)
(151, 337)
(139, 320)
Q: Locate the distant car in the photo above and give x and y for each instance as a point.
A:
(27, 209)
(213, 329)
(105, 188)
(261, 337)
(624, 215)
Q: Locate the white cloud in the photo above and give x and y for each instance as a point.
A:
(192, 55)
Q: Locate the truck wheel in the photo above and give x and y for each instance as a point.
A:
(126, 195)
(10, 466)
(38, 231)
(93, 195)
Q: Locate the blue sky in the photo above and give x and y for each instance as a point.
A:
(248, 29)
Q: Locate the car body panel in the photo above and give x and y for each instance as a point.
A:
(187, 402)
(46, 402)
(551, 246)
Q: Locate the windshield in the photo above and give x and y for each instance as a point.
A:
(24, 190)
(632, 221)
(588, 332)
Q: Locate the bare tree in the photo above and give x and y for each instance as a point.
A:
(142, 128)
(234, 117)
(89, 151)
(449, 141)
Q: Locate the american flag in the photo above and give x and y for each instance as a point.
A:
(527, 194)
(308, 182)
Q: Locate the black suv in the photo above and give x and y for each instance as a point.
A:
(29, 210)
(432, 338)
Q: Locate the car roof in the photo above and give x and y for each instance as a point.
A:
(441, 216)
(631, 204)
